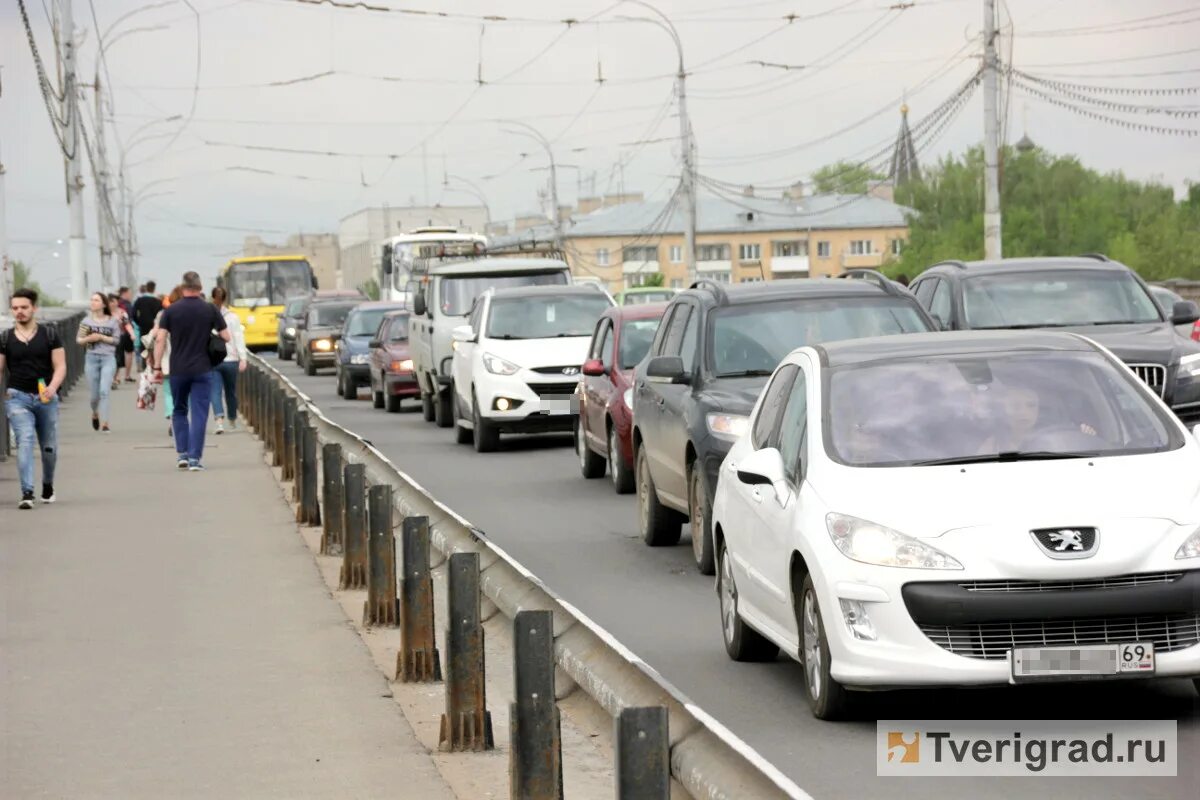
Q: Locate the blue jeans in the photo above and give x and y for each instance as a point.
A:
(100, 370)
(191, 394)
(30, 418)
(224, 381)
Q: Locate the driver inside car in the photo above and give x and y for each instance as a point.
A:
(1021, 421)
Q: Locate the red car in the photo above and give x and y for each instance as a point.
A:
(603, 435)
(392, 376)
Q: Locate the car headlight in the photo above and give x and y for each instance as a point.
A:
(1189, 366)
(498, 366)
(289, 331)
(627, 397)
(323, 345)
(1190, 547)
(249, 319)
(869, 543)
(404, 365)
(359, 358)
(728, 426)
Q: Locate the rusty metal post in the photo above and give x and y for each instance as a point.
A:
(332, 494)
(253, 392)
(354, 527)
(643, 754)
(289, 439)
(381, 607)
(535, 757)
(277, 400)
(467, 724)
(418, 660)
(310, 493)
(300, 423)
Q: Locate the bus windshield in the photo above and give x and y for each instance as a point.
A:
(267, 283)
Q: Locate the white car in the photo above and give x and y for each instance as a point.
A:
(960, 508)
(517, 362)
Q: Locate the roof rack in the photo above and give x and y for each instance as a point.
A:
(713, 286)
(875, 276)
(1096, 256)
(951, 262)
(529, 249)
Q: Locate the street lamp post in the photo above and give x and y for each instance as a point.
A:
(470, 189)
(535, 134)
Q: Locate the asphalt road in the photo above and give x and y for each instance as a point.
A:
(581, 539)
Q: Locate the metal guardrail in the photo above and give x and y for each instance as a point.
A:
(66, 322)
(705, 757)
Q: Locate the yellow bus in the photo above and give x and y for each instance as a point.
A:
(259, 287)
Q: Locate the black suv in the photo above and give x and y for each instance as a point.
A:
(1091, 295)
(711, 356)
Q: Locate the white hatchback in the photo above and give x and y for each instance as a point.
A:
(517, 362)
(961, 508)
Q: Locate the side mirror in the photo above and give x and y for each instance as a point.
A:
(593, 368)
(300, 325)
(463, 333)
(387, 259)
(418, 303)
(1185, 313)
(761, 468)
(315, 284)
(374, 343)
(667, 369)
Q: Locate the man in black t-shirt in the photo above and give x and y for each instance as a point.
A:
(37, 366)
(145, 309)
(189, 323)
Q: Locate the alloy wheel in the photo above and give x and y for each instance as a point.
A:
(728, 597)
(612, 455)
(812, 645)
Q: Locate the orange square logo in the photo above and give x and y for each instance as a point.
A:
(904, 748)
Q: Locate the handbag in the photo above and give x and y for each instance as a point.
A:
(217, 351)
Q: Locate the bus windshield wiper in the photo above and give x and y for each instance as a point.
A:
(1008, 455)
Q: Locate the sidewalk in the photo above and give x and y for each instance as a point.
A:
(167, 634)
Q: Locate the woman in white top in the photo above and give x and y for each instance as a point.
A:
(224, 377)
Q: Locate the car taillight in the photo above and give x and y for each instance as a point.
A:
(1196, 331)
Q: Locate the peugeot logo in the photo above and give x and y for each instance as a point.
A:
(570, 371)
(1065, 543)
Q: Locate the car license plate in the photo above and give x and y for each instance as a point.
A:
(1085, 661)
(558, 404)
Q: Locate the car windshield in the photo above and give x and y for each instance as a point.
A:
(636, 337)
(545, 316)
(1056, 298)
(458, 293)
(295, 307)
(332, 315)
(752, 339)
(398, 332)
(644, 298)
(365, 322)
(993, 407)
(267, 283)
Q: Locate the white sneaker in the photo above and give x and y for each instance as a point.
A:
(220, 427)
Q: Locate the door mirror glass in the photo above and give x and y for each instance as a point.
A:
(761, 468)
(593, 368)
(419, 303)
(1185, 313)
(463, 333)
(667, 369)
(387, 259)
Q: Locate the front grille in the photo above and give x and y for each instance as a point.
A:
(544, 389)
(563, 370)
(1153, 375)
(991, 641)
(1115, 582)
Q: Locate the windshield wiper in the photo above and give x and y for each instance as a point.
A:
(746, 373)
(1028, 326)
(508, 337)
(1008, 455)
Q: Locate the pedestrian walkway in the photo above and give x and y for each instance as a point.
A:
(167, 634)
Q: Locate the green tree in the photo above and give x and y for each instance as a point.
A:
(844, 177)
(370, 289)
(654, 279)
(22, 279)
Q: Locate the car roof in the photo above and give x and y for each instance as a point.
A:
(923, 345)
(498, 265)
(1084, 262)
(794, 288)
(399, 312)
(346, 302)
(321, 294)
(583, 290)
(377, 304)
(639, 311)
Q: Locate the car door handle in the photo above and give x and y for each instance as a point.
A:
(756, 495)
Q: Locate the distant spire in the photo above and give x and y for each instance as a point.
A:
(904, 158)
(1025, 144)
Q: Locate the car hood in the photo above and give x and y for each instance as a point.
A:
(569, 351)
(396, 349)
(734, 395)
(356, 345)
(931, 501)
(321, 331)
(1141, 343)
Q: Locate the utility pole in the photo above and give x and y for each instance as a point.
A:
(6, 275)
(991, 136)
(688, 181)
(105, 225)
(73, 140)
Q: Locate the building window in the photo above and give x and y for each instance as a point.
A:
(897, 246)
(822, 249)
(712, 252)
(755, 279)
(749, 252)
(602, 257)
(719, 277)
(676, 283)
(640, 254)
(861, 247)
(798, 247)
(676, 254)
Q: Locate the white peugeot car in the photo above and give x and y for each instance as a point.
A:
(961, 508)
(516, 363)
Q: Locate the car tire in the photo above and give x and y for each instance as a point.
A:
(281, 353)
(443, 414)
(461, 435)
(392, 403)
(622, 477)
(742, 642)
(377, 399)
(341, 383)
(590, 465)
(660, 526)
(700, 517)
(485, 437)
(310, 368)
(427, 406)
(349, 388)
(826, 697)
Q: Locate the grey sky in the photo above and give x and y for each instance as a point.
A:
(859, 59)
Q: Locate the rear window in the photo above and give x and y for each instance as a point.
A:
(332, 315)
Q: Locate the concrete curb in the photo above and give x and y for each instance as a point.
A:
(706, 758)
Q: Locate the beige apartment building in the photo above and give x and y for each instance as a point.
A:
(747, 239)
(320, 248)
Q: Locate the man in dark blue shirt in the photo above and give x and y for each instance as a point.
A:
(189, 324)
